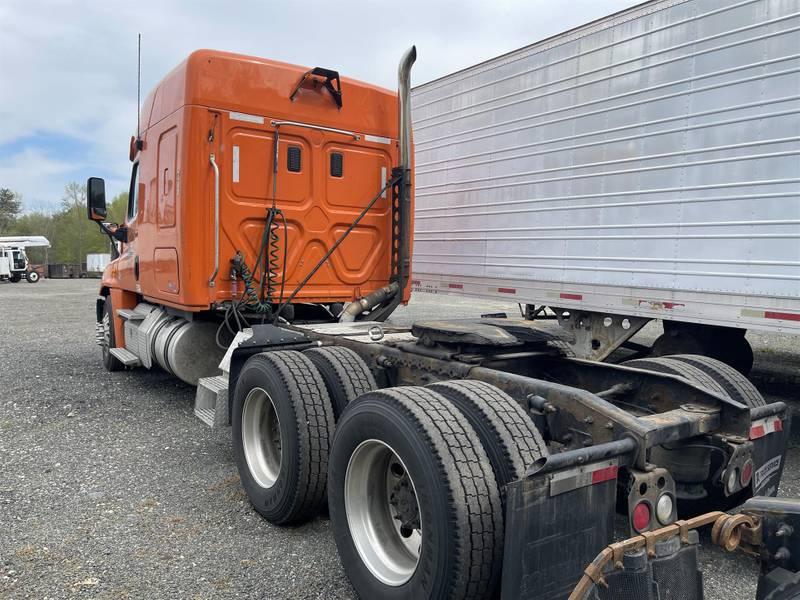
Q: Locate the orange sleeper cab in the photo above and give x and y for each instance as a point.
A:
(222, 109)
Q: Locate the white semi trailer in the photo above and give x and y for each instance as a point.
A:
(644, 166)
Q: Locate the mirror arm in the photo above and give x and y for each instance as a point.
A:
(118, 234)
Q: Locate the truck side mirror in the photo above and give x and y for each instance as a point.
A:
(96, 198)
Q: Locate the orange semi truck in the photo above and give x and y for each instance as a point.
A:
(246, 172)
(267, 239)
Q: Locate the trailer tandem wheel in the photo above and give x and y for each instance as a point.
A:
(345, 373)
(282, 425)
(415, 508)
(509, 436)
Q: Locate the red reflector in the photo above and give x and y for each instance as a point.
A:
(455, 286)
(507, 290)
(782, 315)
(778, 425)
(757, 432)
(571, 296)
(641, 516)
(747, 473)
(606, 474)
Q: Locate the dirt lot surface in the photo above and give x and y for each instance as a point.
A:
(111, 488)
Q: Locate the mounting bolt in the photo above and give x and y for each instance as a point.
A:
(588, 420)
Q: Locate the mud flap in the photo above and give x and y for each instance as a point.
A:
(770, 438)
(552, 533)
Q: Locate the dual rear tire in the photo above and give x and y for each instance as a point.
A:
(414, 475)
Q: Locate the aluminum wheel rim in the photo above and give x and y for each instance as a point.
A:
(389, 550)
(261, 437)
(106, 332)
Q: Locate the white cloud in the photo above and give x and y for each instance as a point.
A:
(69, 67)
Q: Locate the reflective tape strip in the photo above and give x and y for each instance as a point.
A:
(507, 290)
(455, 286)
(764, 427)
(237, 116)
(377, 139)
(770, 314)
(572, 479)
(565, 296)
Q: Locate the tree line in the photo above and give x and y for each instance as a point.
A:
(72, 236)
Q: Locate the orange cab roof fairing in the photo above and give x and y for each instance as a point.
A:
(261, 87)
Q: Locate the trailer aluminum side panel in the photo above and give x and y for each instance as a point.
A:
(647, 163)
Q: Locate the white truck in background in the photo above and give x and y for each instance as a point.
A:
(14, 263)
(644, 166)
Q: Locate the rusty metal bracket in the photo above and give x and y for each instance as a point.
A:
(731, 532)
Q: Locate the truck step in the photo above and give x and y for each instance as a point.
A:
(130, 314)
(211, 401)
(126, 357)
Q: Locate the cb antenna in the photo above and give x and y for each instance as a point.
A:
(139, 93)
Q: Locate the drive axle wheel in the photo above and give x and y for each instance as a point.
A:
(282, 424)
(383, 512)
(415, 508)
(507, 433)
(345, 374)
(736, 385)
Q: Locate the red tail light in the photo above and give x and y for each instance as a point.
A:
(641, 516)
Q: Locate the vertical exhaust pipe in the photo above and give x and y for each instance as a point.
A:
(394, 290)
(404, 97)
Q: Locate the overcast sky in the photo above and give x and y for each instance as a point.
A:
(68, 69)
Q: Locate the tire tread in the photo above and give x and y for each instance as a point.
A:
(474, 497)
(515, 440)
(314, 422)
(345, 373)
(736, 385)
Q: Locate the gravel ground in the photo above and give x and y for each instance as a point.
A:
(111, 488)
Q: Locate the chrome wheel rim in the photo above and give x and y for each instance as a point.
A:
(383, 512)
(106, 343)
(261, 437)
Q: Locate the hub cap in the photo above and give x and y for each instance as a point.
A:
(383, 512)
(261, 437)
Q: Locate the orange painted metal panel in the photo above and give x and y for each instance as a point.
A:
(227, 104)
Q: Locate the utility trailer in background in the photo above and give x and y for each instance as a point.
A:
(644, 166)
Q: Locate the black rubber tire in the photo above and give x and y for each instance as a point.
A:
(110, 362)
(789, 589)
(671, 366)
(509, 436)
(345, 374)
(306, 428)
(15, 278)
(458, 497)
(736, 385)
(32, 276)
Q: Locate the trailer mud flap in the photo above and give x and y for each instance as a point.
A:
(770, 437)
(555, 525)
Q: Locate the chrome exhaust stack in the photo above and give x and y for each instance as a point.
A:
(404, 97)
(386, 299)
